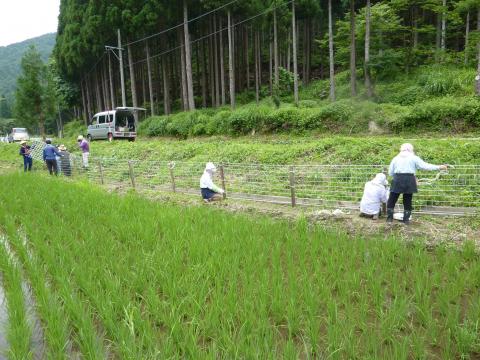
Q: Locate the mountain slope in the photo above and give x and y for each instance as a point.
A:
(10, 58)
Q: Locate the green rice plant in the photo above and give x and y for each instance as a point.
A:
(161, 281)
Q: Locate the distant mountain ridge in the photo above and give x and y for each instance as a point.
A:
(11, 56)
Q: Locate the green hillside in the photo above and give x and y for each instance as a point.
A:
(10, 57)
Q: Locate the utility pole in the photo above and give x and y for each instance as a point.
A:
(120, 58)
(122, 77)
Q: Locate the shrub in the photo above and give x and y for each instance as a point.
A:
(283, 119)
(74, 128)
(246, 119)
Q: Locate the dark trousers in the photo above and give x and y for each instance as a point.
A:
(407, 201)
(27, 163)
(52, 166)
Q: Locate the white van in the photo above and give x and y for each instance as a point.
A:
(18, 134)
(114, 124)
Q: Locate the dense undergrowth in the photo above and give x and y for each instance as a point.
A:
(276, 149)
(167, 281)
(434, 98)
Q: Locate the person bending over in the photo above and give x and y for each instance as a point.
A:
(375, 194)
(210, 191)
(50, 154)
(403, 169)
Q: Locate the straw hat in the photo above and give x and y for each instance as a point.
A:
(80, 137)
(23, 142)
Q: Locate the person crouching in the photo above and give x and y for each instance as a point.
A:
(210, 192)
(375, 194)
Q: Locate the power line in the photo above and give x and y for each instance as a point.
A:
(212, 34)
(181, 24)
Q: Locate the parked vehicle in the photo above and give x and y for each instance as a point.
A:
(18, 134)
(114, 124)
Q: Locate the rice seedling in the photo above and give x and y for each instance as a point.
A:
(140, 279)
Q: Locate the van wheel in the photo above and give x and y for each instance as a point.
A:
(110, 137)
(131, 139)
(89, 138)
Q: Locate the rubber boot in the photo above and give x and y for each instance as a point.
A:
(406, 217)
(390, 215)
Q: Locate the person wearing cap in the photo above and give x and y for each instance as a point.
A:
(403, 169)
(83, 144)
(50, 154)
(210, 192)
(375, 194)
(65, 166)
(27, 157)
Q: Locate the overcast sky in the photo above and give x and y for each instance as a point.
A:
(24, 19)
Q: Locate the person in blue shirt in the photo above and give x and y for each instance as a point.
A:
(50, 154)
(403, 169)
(27, 157)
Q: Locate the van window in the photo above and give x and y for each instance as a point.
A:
(110, 118)
(101, 119)
(94, 121)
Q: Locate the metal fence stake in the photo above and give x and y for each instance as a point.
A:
(292, 186)
(222, 177)
(132, 175)
(100, 169)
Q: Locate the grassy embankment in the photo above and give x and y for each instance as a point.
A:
(144, 280)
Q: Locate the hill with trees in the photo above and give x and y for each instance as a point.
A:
(10, 59)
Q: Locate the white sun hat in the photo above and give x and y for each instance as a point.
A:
(210, 166)
(80, 137)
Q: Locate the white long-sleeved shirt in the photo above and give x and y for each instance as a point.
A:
(374, 195)
(206, 182)
(409, 164)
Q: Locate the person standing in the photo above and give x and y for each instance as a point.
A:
(65, 166)
(50, 154)
(403, 169)
(210, 191)
(27, 157)
(85, 146)
(374, 195)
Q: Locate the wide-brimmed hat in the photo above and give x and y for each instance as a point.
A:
(23, 142)
(80, 137)
(62, 148)
(210, 166)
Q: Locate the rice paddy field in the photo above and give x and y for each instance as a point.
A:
(122, 277)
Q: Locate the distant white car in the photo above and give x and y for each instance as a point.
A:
(18, 134)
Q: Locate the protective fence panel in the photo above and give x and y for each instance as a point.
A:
(452, 192)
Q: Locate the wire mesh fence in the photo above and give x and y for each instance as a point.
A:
(452, 192)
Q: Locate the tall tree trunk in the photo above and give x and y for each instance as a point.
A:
(353, 51)
(289, 54)
(98, 93)
(275, 48)
(188, 59)
(183, 72)
(270, 67)
(216, 57)
(257, 67)
(477, 79)
(444, 26)
(438, 38)
(106, 99)
(330, 49)
(222, 65)
(204, 76)
(467, 37)
(89, 104)
(230, 61)
(211, 55)
(294, 49)
(110, 75)
(150, 82)
(133, 83)
(84, 101)
(415, 27)
(166, 86)
(247, 58)
(368, 80)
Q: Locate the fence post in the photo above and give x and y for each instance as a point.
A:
(384, 206)
(132, 175)
(222, 177)
(172, 177)
(100, 169)
(292, 186)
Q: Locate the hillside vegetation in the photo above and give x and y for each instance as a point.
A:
(10, 57)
